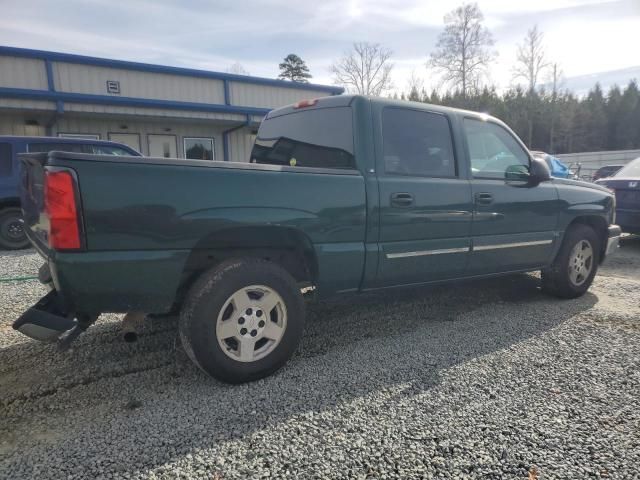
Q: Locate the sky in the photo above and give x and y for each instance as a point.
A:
(584, 36)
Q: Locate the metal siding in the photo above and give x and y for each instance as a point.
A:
(26, 104)
(18, 72)
(76, 78)
(152, 112)
(103, 126)
(265, 96)
(12, 125)
(240, 145)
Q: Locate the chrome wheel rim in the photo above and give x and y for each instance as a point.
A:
(251, 323)
(580, 262)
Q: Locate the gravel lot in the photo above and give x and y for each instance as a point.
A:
(491, 379)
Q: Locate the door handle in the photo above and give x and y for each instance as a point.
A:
(401, 199)
(484, 198)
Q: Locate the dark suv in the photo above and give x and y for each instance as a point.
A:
(11, 232)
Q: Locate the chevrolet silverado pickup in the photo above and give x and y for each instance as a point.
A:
(340, 195)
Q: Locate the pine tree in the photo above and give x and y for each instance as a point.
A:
(293, 68)
(614, 98)
(627, 131)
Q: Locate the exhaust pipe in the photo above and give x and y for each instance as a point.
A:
(131, 324)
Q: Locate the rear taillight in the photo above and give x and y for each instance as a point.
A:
(60, 206)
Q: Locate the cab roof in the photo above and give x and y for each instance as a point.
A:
(347, 100)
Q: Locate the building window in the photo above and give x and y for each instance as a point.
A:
(85, 136)
(199, 149)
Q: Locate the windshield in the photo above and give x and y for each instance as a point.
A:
(630, 170)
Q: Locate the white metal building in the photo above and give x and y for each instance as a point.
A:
(589, 162)
(158, 110)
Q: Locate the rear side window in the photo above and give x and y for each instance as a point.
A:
(63, 147)
(417, 143)
(6, 160)
(320, 138)
(109, 150)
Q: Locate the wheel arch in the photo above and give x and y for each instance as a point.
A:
(286, 246)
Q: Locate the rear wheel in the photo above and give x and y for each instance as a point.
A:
(242, 320)
(12, 235)
(576, 265)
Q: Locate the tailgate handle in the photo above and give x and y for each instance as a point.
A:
(401, 199)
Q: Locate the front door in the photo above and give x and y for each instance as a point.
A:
(163, 146)
(425, 207)
(514, 222)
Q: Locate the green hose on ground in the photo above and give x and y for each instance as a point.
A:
(17, 279)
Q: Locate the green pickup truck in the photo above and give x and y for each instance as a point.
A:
(342, 194)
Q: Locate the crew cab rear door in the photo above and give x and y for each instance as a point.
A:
(425, 205)
(514, 221)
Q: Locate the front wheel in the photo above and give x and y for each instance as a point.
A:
(576, 265)
(242, 320)
(12, 234)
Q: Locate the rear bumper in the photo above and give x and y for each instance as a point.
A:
(629, 220)
(613, 240)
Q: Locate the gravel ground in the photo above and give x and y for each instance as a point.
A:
(490, 379)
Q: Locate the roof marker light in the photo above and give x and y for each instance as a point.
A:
(306, 103)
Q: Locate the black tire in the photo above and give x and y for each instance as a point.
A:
(203, 305)
(556, 280)
(12, 234)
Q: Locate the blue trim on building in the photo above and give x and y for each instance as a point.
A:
(48, 65)
(49, 68)
(127, 101)
(147, 67)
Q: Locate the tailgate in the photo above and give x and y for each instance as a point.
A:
(36, 222)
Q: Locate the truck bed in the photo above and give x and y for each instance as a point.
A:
(158, 218)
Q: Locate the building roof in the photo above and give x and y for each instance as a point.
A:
(238, 95)
(154, 68)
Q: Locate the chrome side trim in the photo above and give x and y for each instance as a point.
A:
(511, 245)
(428, 252)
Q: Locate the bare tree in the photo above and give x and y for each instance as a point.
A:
(237, 69)
(531, 58)
(366, 69)
(463, 52)
(415, 86)
(556, 79)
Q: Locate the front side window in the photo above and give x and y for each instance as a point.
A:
(199, 149)
(493, 150)
(319, 138)
(417, 143)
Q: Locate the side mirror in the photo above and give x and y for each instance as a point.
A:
(517, 173)
(539, 171)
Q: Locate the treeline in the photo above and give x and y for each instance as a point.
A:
(558, 122)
